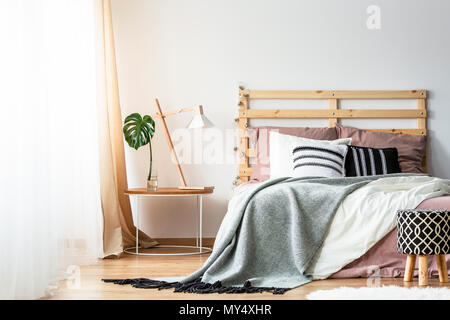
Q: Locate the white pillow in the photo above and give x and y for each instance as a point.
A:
(280, 149)
(318, 160)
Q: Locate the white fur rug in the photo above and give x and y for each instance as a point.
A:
(381, 293)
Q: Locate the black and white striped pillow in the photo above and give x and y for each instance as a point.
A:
(362, 161)
(319, 160)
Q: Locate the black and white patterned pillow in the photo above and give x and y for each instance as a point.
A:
(318, 160)
(362, 161)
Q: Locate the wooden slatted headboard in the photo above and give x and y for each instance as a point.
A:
(333, 113)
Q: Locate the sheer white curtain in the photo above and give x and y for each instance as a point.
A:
(50, 207)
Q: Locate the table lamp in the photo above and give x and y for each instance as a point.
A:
(198, 121)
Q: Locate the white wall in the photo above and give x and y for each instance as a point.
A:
(189, 52)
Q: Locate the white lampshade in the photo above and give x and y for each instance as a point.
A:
(200, 121)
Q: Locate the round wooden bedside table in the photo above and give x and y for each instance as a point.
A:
(170, 192)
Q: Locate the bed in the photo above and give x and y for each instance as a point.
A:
(293, 220)
(382, 258)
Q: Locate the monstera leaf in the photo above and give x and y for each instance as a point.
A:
(138, 132)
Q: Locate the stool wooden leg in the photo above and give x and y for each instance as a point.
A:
(409, 268)
(442, 267)
(423, 270)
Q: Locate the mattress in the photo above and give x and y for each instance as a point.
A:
(383, 259)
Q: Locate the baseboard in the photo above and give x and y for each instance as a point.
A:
(207, 242)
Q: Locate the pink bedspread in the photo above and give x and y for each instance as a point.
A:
(384, 254)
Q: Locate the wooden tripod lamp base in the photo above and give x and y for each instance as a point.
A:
(198, 112)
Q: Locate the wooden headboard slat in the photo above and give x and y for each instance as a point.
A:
(329, 113)
(335, 94)
(333, 113)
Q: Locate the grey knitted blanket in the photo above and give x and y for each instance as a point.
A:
(267, 239)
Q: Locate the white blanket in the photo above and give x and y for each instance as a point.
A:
(367, 215)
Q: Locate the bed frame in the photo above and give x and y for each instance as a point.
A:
(333, 113)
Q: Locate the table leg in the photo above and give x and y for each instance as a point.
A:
(197, 220)
(201, 222)
(442, 267)
(137, 225)
(423, 270)
(409, 268)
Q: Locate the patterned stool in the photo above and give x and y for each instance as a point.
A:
(423, 233)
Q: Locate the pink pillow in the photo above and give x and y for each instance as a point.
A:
(259, 139)
(410, 148)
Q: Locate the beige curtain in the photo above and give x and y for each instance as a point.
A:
(118, 231)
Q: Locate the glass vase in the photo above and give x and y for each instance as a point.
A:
(152, 184)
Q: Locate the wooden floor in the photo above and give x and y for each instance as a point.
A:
(90, 285)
